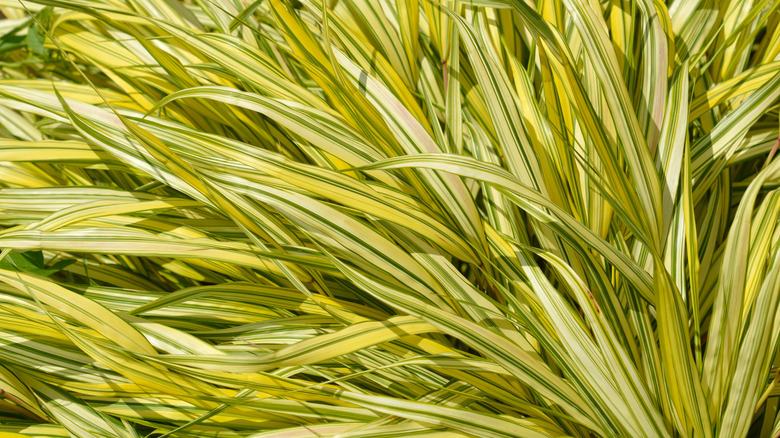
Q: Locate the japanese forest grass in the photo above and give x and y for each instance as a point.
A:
(378, 218)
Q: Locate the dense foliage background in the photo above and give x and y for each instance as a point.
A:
(379, 218)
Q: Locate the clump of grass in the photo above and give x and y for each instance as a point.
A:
(376, 218)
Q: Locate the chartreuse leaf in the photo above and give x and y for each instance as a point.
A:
(530, 200)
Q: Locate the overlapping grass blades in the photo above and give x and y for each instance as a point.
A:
(376, 218)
